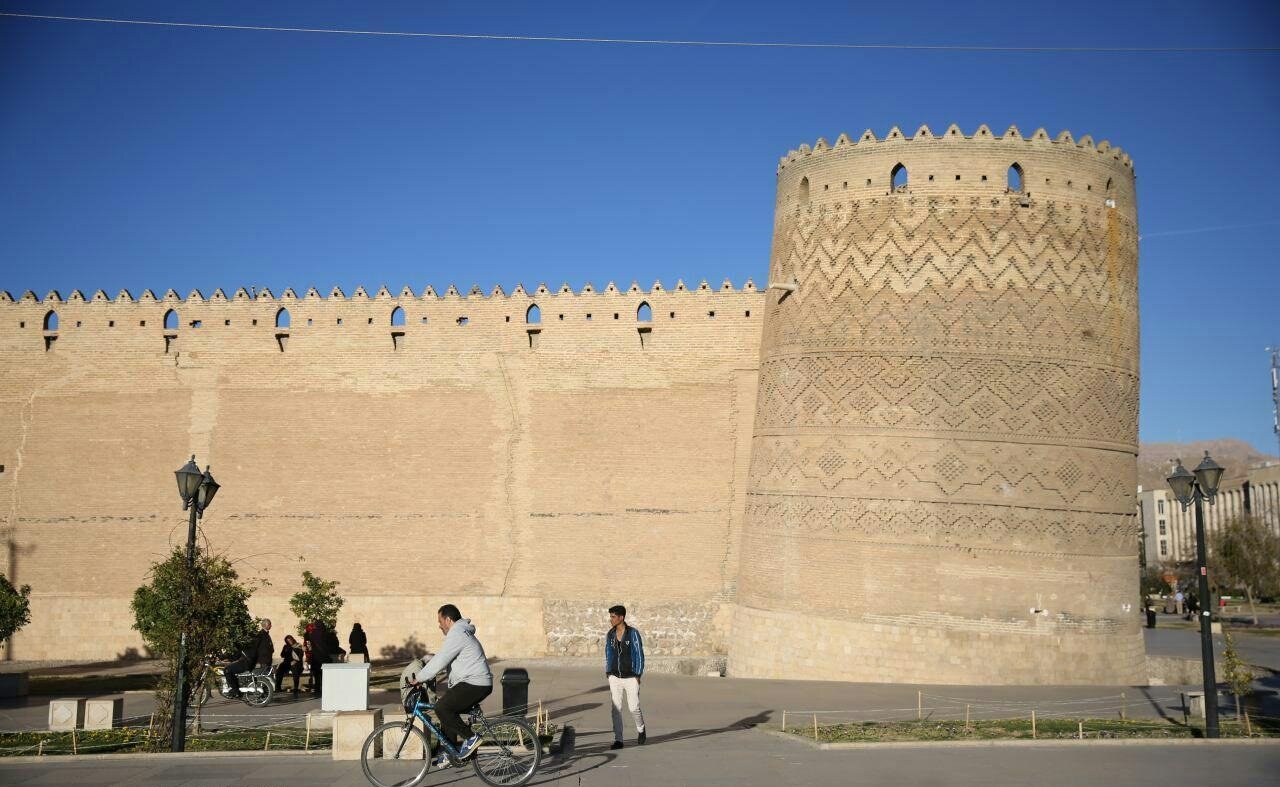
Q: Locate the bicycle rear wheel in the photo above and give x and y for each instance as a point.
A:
(509, 753)
(396, 755)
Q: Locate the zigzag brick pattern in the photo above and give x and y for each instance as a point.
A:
(943, 463)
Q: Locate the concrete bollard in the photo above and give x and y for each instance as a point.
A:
(66, 713)
(350, 728)
(103, 713)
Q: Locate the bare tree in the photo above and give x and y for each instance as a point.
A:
(1245, 553)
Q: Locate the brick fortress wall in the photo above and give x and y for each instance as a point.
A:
(918, 466)
(943, 466)
(533, 473)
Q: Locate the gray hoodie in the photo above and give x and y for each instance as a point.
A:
(463, 654)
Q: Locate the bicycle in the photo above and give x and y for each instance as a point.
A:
(398, 753)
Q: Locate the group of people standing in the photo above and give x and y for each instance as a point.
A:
(319, 647)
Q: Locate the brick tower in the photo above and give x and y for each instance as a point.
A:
(943, 465)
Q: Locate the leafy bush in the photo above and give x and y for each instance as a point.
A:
(15, 608)
(318, 599)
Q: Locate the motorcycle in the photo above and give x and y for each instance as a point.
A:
(256, 686)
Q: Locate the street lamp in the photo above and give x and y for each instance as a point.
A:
(1195, 488)
(197, 491)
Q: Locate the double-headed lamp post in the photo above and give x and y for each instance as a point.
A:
(197, 490)
(1195, 488)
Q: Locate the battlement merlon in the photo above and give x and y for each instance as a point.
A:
(53, 298)
(982, 135)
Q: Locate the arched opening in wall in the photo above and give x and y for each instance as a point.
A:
(1015, 178)
(282, 318)
(644, 313)
(397, 316)
(51, 320)
(533, 315)
(898, 177)
(804, 191)
(171, 320)
(1109, 182)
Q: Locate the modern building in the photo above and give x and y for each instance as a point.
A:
(1169, 533)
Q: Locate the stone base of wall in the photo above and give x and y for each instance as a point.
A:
(769, 644)
(399, 628)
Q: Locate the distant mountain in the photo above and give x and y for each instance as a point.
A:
(1155, 460)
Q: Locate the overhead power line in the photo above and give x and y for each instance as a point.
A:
(668, 42)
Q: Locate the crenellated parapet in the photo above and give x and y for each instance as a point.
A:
(982, 135)
(542, 317)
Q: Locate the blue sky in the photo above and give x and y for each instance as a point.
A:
(140, 157)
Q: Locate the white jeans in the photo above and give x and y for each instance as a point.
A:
(630, 688)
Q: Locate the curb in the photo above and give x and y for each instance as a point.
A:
(165, 755)
(1045, 742)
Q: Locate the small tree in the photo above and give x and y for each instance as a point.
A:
(318, 599)
(216, 618)
(1245, 553)
(1235, 672)
(15, 607)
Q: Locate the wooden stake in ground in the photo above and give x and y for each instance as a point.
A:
(784, 720)
(1248, 728)
(919, 705)
(966, 717)
(1081, 733)
(307, 745)
(815, 726)
(74, 748)
(151, 726)
(1033, 724)
(1124, 706)
(40, 751)
(267, 745)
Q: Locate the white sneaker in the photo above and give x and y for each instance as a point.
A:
(442, 761)
(468, 746)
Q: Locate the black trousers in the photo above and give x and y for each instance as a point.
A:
(233, 672)
(317, 676)
(453, 703)
(293, 668)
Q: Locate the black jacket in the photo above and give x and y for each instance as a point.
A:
(359, 642)
(262, 650)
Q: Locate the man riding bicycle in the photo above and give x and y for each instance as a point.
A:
(470, 680)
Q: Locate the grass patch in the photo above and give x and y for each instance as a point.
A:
(1014, 729)
(132, 739)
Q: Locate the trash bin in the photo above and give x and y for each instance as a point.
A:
(1151, 618)
(515, 692)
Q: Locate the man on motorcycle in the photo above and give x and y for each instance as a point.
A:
(258, 654)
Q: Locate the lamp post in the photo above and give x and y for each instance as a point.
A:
(1196, 488)
(197, 490)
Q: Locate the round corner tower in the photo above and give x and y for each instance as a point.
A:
(943, 467)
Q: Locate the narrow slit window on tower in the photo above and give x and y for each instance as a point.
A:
(171, 320)
(645, 314)
(282, 318)
(804, 191)
(397, 317)
(1015, 178)
(533, 315)
(898, 177)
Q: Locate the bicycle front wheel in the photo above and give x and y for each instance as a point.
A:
(395, 755)
(509, 753)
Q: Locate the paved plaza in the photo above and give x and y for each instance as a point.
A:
(733, 757)
(712, 731)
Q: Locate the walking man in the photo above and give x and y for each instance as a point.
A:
(624, 664)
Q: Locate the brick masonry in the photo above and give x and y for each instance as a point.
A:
(878, 477)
